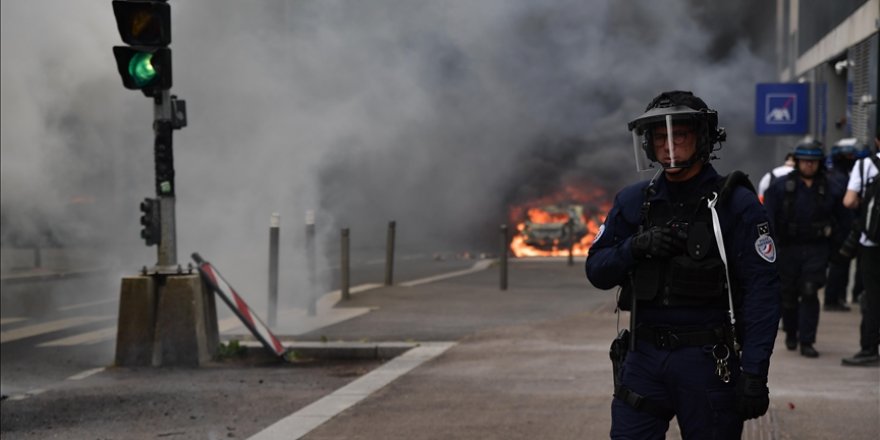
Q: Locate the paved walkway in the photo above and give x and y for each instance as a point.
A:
(550, 378)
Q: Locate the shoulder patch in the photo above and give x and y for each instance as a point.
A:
(599, 234)
(766, 248)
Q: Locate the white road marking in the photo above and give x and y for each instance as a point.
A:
(78, 376)
(84, 374)
(88, 304)
(4, 321)
(478, 266)
(27, 394)
(305, 420)
(48, 327)
(92, 337)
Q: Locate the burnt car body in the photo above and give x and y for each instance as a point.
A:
(566, 227)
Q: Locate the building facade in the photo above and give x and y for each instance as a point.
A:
(832, 45)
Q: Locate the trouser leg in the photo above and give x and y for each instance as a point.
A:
(704, 404)
(811, 280)
(838, 278)
(858, 283)
(870, 328)
(808, 313)
(642, 373)
(788, 274)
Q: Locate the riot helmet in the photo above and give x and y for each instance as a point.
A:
(675, 108)
(809, 149)
(843, 153)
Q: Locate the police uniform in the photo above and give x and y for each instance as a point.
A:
(808, 221)
(684, 362)
(683, 378)
(841, 159)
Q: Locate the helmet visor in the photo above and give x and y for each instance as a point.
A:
(645, 141)
(643, 163)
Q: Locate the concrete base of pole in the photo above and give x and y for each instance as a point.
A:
(170, 323)
(181, 329)
(137, 322)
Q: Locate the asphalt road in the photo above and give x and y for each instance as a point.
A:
(58, 328)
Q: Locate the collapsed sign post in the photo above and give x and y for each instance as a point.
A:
(218, 284)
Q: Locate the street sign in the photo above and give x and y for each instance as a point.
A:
(248, 317)
(782, 109)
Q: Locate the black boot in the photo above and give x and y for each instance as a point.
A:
(864, 358)
(807, 350)
(790, 342)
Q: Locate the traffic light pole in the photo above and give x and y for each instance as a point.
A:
(165, 187)
(165, 315)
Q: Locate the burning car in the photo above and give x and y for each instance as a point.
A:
(558, 222)
(554, 226)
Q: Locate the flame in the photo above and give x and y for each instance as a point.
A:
(593, 206)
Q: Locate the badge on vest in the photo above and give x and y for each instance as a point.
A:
(764, 245)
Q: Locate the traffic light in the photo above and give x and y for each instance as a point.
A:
(145, 26)
(150, 220)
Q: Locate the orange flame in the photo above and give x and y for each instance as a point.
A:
(593, 198)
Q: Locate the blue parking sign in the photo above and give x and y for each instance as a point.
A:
(782, 108)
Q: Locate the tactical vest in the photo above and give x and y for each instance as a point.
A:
(821, 225)
(694, 278)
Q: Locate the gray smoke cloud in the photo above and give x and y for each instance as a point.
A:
(434, 114)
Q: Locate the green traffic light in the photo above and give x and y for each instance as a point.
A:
(140, 67)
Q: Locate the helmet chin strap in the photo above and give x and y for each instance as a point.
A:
(679, 165)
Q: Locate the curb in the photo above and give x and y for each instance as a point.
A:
(338, 350)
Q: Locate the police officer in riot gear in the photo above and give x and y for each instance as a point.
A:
(806, 210)
(841, 161)
(694, 256)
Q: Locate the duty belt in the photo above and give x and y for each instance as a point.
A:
(670, 338)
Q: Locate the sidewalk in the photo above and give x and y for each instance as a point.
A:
(529, 362)
(551, 379)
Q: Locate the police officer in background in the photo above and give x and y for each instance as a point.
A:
(807, 212)
(703, 317)
(841, 160)
(771, 176)
(866, 171)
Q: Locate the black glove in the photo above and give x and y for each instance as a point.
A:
(752, 396)
(657, 242)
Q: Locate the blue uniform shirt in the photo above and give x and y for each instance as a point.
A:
(750, 251)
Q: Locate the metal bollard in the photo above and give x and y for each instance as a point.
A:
(570, 226)
(274, 232)
(503, 257)
(38, 257)
(389, 254)
(311, 262)
(344, 265)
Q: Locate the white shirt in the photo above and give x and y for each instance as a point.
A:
(777, 172)
(856, 184)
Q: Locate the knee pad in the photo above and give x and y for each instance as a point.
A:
(809, 289)
(789, 297)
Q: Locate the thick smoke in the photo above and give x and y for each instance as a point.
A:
(434, 114)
